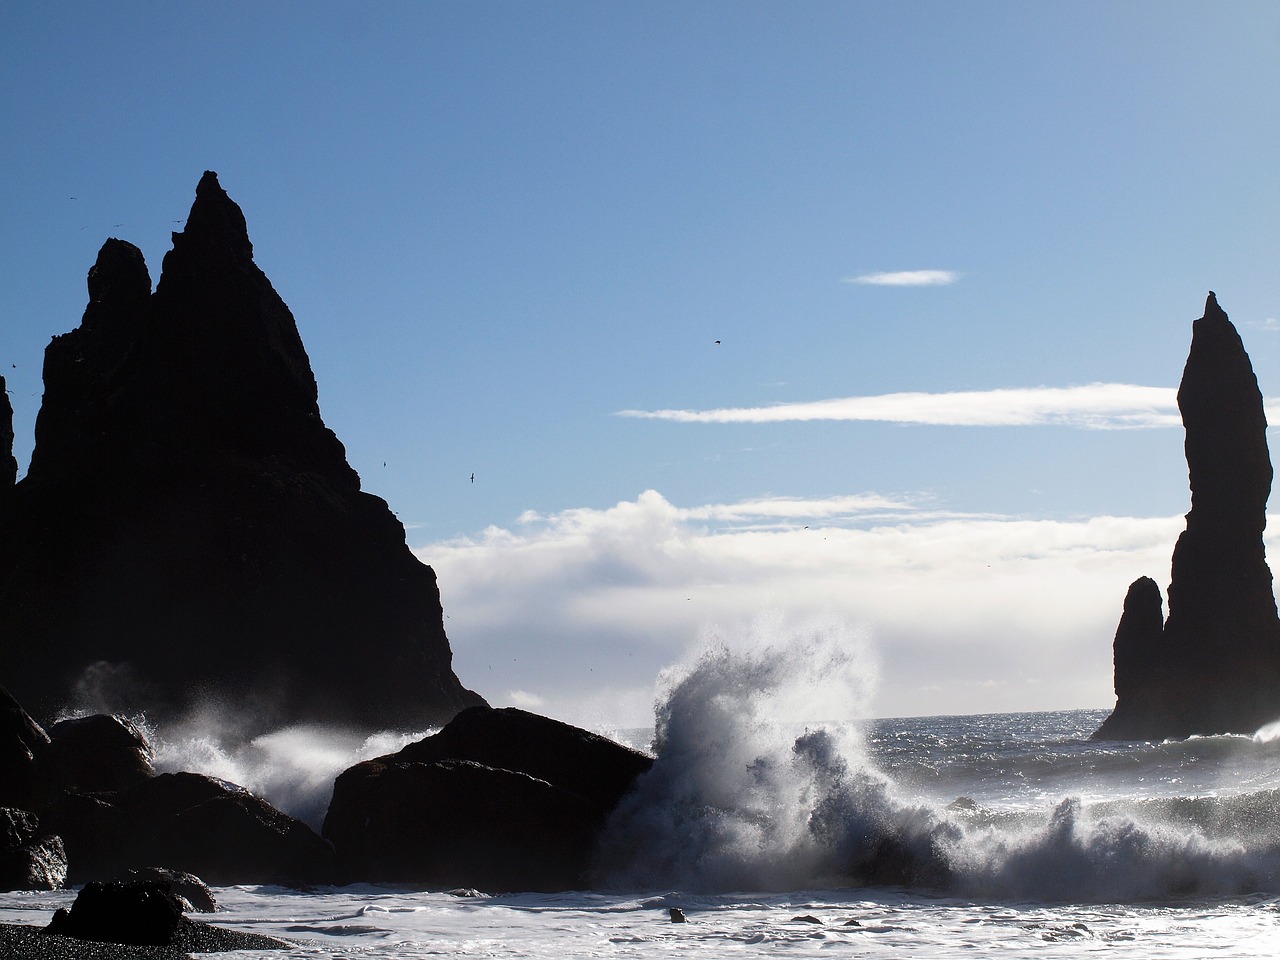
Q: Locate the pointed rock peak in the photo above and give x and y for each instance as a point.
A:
(209, 184)
(1211, 308)
(119, 274)
(215, 221)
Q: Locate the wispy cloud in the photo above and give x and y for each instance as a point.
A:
(906, 278)
(1095, 406)
(777, 511)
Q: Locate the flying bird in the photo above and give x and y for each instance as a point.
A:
(473, 478)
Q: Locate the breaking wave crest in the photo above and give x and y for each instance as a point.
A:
(740, 799)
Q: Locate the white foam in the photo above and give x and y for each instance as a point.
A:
(736, 800)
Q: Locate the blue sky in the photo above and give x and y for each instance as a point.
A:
(512, 233)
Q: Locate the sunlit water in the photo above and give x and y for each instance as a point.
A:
(974, 836)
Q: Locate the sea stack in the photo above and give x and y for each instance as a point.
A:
(1214, 666)
(189, 531)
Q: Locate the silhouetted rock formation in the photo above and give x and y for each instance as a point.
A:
(95, 754)
(22, 740)
(193, 892)
(29, 858)
(8, 464)
(1214, 665)
(144, 913)
(186, 821)
(189, 527)
(499, 800)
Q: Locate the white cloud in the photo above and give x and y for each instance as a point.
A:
(1095, 406)
(965, 613)
(526, 700)
(907, 278)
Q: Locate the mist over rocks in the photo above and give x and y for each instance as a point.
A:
(1214, 665)
(189, 530)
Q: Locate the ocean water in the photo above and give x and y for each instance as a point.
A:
(930, 837)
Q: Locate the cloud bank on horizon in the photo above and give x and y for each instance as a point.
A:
(623, 592)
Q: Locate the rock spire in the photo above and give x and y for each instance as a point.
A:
(1214, 665)
(189, 529)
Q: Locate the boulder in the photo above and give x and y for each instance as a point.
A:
(141, 913)
(499, 800)
(28, 859)
(17, 827)
(1214, 665)
(145, 913)
(594, 767)
(96, 754)
(192, 823)
(190, 889)
(453, 823)
(21, 738)
(236, 837)
(95, 834)
(189, 530)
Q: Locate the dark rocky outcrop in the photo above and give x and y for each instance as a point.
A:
(29, 859)
(455, 823)
(499, 800)
(21, 738)
(190, 889)
(96, 754)
(8, 464)
(189, 528)
(1214, 665)
(146, 913)
(187, 822)
(585, 763)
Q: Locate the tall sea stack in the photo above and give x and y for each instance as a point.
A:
(189, 530)
(1214, 665)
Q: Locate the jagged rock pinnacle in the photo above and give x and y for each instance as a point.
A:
(189, 528)
(215, 222)
(1215, 666)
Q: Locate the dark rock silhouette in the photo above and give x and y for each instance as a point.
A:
(190, 529)
(21, 740)
(145, 913)
(194, 892)
(95, 754)
(1214, 665)
(594, 767)
(499, 800)
(447, 823)
(140, 912)
(188, 822)
(29, 858)
(8, 464)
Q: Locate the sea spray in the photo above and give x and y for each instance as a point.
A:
(739, 798)
(292, 768)
(1094, 855)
